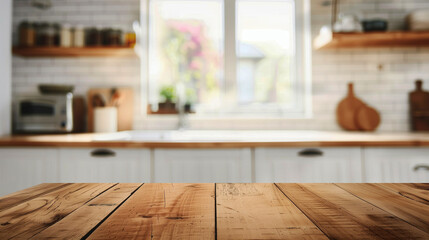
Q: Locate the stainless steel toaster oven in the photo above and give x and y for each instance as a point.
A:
(43, 113)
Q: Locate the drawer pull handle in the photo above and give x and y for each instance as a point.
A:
(103, 153)
(310, 152)
(421, 166)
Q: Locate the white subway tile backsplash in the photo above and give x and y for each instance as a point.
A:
(382, 76)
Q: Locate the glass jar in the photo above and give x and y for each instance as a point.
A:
(27, 34)
(130, 39)
(115, 37)
(46, 37)
(79, 36)
(105, 35)
(93, 37)
(66, 36)
(57, 29)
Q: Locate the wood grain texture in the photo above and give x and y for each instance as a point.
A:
(372, 39)
(163, 211)
(340, 215)
(347, 108)
(416, 191)
(17, 198)
(419, 107)
(413, 211)
(260, 211)
(74, 51)
(93, 212)
(25, 220)
(367, 118)
(251, 139)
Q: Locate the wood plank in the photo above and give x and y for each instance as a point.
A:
(94, 211)
(74, 51)
(371, 39)
(17, 198)
(414, 212)
(163, 211)
(340, 215)
(29, 218)
(260, 211)
(416, 191)
(245, 139)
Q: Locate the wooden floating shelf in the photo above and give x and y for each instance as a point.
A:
(374, 39)
(74, 51)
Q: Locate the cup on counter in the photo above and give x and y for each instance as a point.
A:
(105, 119)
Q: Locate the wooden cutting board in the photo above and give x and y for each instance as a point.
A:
(125, 107)
(367, 118)
(419, 108)
(347, 108)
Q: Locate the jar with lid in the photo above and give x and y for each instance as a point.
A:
(130, 39)
(105, 36)
(57, 30)
(27, 34)
(47, 35)
(66, 36)
(115, 37)
(79, 36)
(93, 37)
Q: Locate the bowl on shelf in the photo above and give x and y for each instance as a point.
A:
(55, 89)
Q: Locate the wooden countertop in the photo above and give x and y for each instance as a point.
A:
(216, 211)
(219, 139)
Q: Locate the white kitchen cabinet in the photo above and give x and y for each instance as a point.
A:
(104, 165)
(396, 164)
(202, 165)
(308, 165)
(25, 167)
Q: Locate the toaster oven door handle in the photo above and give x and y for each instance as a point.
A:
(101, 153)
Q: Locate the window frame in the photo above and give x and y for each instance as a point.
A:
(229, 92)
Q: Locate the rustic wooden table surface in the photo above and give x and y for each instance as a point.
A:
(216, 211)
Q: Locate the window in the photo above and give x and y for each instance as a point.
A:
(229, 57)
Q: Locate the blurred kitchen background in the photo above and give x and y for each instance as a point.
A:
(383, 76)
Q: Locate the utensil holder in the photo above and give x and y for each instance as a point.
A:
(105, 119)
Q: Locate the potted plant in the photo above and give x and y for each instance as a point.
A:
(191, 98)
(168, 98)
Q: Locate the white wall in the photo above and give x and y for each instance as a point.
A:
(5, 65)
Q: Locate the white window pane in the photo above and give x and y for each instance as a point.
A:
(266, 52)
(186, 45)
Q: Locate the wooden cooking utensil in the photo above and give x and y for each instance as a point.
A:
(346, 110)
(367, 118)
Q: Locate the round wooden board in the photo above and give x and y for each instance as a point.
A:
(367, 118)
(346, 110)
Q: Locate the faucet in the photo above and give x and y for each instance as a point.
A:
(183, 123)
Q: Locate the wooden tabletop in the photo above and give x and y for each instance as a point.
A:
(216, 211)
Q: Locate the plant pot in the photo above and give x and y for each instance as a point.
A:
(167, 106)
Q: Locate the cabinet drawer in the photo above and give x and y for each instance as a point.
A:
(104, 165)
(25, 167)
(308, 165)
(202, 165)
(396, 164)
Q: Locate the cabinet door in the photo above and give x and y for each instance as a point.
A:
(104, 165)
(308, 165)
(25, 167)
(396, 164)
(202, 165)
